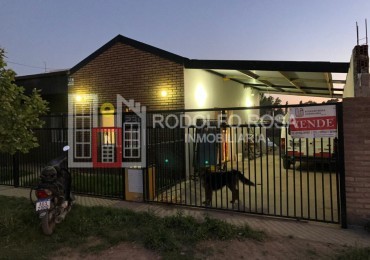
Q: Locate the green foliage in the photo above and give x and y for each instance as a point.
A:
(309, 102)
(19, 113)
(330, 101)
(172, 237)
(355, 253)
(367, 226)
(270, 101)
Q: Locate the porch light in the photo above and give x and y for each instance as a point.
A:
(200, 95)
(249, 102)
(78, 98)
(164, 93)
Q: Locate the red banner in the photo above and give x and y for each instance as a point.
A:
(313, 121)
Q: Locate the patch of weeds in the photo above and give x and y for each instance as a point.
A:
(355, 253)
(97, 248)
(173, 237)
(311, 252)
(367, 226)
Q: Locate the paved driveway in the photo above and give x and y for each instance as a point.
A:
(303, 192)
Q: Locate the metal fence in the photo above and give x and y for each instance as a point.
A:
(23, 170)
(294, 177)
(301, 178)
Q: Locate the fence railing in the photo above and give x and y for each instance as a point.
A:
(194, 159)
(294, 177)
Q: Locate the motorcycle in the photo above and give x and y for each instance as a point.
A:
(53, 194)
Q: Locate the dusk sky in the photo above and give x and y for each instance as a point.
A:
(62, 33)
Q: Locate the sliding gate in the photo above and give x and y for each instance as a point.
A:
(293, 177)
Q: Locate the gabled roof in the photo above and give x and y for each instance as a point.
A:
(136, 44)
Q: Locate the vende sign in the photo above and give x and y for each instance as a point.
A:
(313, 121)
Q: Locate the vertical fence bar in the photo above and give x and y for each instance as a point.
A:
(273, 164)
(16, 169)
(330, 180)
(341, 167)
(267, 172)
(308, 182)
(249, 167)
(287, 173)
(322, 178)
(314, 174)
(255, 167)
(280, 170)
(300, 175)
(261, 166)
(294, 177)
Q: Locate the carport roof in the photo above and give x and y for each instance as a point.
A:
(281, 77)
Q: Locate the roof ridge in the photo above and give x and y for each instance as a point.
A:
(134, 43)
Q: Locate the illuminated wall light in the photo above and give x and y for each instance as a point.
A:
(200, 95)
(249, 98)
(249, 102)
(78, 98)
(82, 98)
(164, 93)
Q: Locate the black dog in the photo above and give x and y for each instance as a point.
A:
(213, 181)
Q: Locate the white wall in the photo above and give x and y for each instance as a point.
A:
(204, 89)
(349, 87)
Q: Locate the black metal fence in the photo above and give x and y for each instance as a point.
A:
(294, 177)
(23, 170)
(301, 178)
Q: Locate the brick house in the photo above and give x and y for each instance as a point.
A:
(161, 80)
(164, 81)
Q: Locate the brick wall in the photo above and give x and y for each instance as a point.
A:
(356, 117)
(134, 74)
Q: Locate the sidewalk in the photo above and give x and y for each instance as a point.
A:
(312, 231)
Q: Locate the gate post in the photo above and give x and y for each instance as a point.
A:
(16, 170)
(357, 160)
(341, 167)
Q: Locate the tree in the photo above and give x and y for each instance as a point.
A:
(270, 101)
(309, 102)
(331, 101)
(19, 113)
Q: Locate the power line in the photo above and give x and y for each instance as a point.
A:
(25, 65)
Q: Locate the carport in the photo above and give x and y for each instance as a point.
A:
(308, 191)
(316, 79)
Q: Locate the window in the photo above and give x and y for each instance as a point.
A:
(131, 140)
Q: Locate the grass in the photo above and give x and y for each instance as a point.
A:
(103, 184)
(355, 253)
(367, 226)
(172, 237)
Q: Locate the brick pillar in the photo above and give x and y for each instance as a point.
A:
(356, 127)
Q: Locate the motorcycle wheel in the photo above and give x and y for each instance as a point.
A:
(48, 224)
